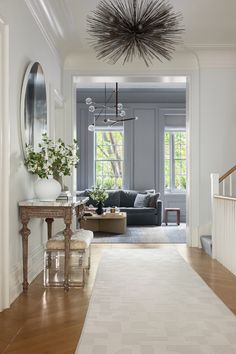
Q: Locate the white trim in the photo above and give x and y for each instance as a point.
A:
(35, 266)
(35, 13)
(58, 99)
(5, 167)
(210, 46)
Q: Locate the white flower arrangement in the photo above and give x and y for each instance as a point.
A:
(52, 158)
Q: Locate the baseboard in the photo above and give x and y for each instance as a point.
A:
(35, 266)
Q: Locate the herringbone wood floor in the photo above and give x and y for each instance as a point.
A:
(50, 321)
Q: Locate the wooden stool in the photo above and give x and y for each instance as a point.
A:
(177, 210)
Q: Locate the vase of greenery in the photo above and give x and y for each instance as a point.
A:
(100, 195)
(50, 161)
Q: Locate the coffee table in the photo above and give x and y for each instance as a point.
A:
(107, 222)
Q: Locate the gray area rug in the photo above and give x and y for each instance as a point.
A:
(145, 234)
(149, 301)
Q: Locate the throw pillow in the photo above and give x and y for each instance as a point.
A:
(113, 198)
(127, 198)
(141, 200)
(152, 203)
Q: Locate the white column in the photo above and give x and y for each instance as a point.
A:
(4, 167)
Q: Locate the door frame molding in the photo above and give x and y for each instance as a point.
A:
(192, 129)
(5, 167)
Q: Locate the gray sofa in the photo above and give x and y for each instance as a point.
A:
(124, 200)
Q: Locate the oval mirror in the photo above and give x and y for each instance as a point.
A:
(33, 105)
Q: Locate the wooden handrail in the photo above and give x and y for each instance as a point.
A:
(233, 169)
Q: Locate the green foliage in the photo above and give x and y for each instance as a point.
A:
(51, 158)
(109, 159)
(99, 194)
(175, 167)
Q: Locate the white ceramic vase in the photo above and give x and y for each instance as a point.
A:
(47, 189)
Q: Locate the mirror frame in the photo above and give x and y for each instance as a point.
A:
(23, 104)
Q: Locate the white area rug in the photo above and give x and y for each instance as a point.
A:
(152, 302)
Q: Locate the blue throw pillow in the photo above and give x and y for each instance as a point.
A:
(141, 200)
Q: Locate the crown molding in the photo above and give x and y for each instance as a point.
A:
(38, 14)
(210, 46)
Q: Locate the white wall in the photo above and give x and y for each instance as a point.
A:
(217, 121)
(27, 44)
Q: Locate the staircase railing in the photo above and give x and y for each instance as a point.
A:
(223, 179)
(223, 219)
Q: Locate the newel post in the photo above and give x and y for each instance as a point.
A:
(214, 191)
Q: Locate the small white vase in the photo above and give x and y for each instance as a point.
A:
(47, 189)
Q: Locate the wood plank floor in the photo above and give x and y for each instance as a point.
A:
(49, 321)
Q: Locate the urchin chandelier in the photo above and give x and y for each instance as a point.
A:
(125, 29)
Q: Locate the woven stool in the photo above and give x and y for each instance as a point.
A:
(79, 260)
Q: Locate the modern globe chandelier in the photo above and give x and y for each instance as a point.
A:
(110, 113)
(125, 29)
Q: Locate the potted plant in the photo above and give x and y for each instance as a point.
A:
(50, 162)
(100, 195)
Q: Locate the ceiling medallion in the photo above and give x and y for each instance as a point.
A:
(125, 29)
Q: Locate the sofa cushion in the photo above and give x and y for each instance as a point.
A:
(113, 198)
(153, 200)
(127, 198)
(139, 211)
(141, 200)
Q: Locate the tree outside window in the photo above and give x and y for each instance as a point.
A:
(109, 158)
(175, 161)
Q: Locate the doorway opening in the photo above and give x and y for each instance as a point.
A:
(154, 147)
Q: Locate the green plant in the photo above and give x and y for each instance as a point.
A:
(51, 158)
(99, 194)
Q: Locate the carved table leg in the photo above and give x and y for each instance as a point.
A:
(49, 222)
(25, 232)
(67, 235)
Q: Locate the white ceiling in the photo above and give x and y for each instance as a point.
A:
(207, 22)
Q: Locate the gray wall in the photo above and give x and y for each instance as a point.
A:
(144, 145)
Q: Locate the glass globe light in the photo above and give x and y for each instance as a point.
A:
(88, 100)
(122, 113)
(91, 128)
(120, 106)
(91, 108)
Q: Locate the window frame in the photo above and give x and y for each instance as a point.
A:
(108, 129)
(172, 189)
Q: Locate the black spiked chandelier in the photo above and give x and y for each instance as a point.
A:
(125, 29)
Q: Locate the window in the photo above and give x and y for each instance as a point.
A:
(109, 158)
(175, 161)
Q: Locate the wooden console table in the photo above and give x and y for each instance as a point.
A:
(49, 210)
